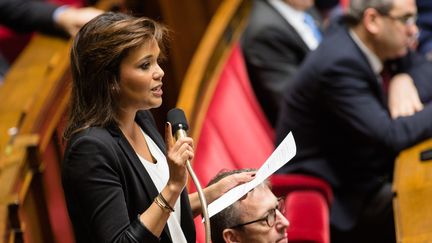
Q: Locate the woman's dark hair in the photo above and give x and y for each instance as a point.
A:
(96, 54)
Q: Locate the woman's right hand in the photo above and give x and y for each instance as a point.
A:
(178, 152)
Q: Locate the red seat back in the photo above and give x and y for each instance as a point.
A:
(307, 203)
(235, 133)
(229, 128)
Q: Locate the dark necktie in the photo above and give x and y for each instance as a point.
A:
(385, 78)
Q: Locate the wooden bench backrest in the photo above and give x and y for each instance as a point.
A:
(34, 96)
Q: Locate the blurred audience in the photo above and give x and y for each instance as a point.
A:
(425, 24)
(256, 217)
(45, 17)
(279, 35)
(349, 125)
(329, 9)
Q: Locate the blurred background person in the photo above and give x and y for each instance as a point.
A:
(350, 119)
(31, 15)
(424, 23)
(279, 35)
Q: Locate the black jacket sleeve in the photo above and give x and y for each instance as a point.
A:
(26, 16)
(94, 192)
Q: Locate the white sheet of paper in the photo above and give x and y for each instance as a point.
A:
(282, 154)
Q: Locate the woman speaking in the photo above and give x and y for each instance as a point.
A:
(123, 182)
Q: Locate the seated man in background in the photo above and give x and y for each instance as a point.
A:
(256, 217)
(349, 127)
(279, 35)
(425, 24)
(45, 17)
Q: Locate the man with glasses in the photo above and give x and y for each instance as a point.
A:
(351, 119)
(256, 217)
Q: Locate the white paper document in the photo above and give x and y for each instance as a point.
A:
(283, 153)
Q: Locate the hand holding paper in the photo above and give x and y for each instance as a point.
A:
(283, 153)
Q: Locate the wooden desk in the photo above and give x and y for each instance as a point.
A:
(413, 200)
(34, 98)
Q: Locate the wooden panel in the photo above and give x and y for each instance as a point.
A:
(34, 97)
(200, 80)
(413, 193)
(188, 20)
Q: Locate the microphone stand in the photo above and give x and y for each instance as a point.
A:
(199, 190)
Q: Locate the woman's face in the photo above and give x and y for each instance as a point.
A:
(141, 78)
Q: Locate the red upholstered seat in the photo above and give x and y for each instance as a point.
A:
(307, 202)
(308, 216)
(12, 43)
(231, 131)
(235, 133)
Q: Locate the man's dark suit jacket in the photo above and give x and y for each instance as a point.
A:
(107, 187)
(337, 111)
(28, 15)
(424, 22)
(273, 51)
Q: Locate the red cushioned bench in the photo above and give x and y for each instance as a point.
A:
(231, 131)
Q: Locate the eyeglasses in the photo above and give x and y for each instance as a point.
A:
(407, 19)
(270, 218)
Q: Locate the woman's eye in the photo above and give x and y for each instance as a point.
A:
(145, 66)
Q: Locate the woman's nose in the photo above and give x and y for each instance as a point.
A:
(158, 73)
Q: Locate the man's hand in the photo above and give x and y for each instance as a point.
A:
(72, 19)
(403, 98)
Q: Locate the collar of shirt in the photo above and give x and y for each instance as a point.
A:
(296, 19)
(373, 60)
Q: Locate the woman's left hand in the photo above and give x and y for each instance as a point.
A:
(231, 181)
(217, 189)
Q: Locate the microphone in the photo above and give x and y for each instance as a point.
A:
(178, 123)
(180, 126)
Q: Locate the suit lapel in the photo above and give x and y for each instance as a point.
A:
(136, 163)
(374, 80)
(187, 222)
(147, 123)
(145, 120)
(291, 32)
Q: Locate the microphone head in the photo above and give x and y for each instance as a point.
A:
(177, 119)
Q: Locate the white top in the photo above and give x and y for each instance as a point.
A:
(159, 173)
(296, 19)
